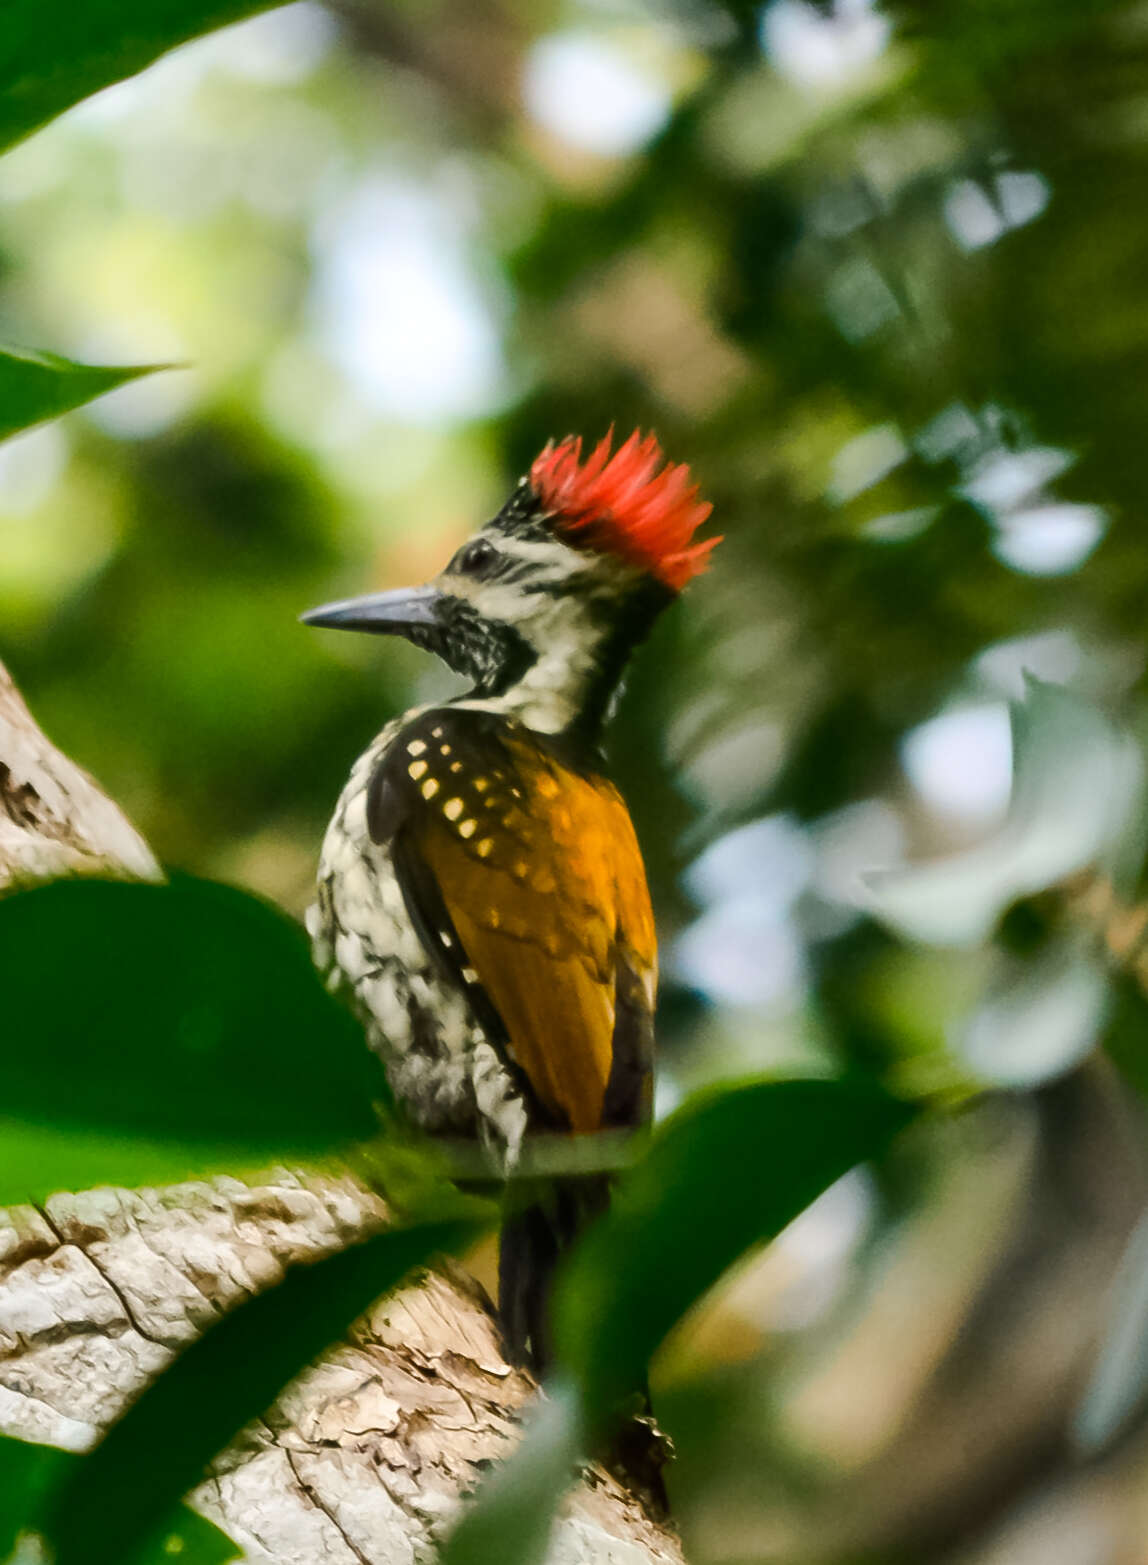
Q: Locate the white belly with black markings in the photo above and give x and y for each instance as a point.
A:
(450, 1078)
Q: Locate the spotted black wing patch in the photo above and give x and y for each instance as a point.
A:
(454, 761)
(399, 792)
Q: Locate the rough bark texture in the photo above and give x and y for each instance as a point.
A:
(366, 1458)
(54, 820)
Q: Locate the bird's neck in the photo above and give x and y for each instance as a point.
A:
(570, 683)
(555, 695)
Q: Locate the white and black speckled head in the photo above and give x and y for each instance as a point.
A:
(542, 608)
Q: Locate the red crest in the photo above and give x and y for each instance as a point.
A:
(623, 504)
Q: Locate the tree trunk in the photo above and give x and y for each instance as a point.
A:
(367, 1456)
(54, 820)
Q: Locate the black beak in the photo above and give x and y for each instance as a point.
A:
(381, 613)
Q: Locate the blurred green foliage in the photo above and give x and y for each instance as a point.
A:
(724, 1174)
(877, 273)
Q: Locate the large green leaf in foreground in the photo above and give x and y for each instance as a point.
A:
(509, 1523)
(53, 53)
(115, 1503)
(729, 1170)
(39, 386)
(153, 1030)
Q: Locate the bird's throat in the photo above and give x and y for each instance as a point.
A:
(569, 686)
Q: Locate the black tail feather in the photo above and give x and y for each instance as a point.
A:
(535, 1237)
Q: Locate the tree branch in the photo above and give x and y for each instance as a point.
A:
(54, 820)
(365, 1458)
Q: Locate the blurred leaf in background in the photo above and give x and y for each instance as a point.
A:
(727, 1172)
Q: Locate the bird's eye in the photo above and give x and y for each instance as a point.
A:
(476, 558)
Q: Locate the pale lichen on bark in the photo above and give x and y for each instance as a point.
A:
(368, 1456)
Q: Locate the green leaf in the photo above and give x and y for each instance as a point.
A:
(38, 386)
(1077, 789)
(187, 1013)
(509, 1521)
(119, 1497)
(731, 1169)
(36, 1161)
(54, 53)
(189, 1539)
(1119, 1376)
(28, 1475)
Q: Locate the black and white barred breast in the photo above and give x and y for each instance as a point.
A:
(441, 1065)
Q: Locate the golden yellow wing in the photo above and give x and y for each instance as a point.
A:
(536, 867)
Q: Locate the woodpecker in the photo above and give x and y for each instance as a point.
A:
(481, 893)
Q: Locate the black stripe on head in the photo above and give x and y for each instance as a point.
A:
(481, 560)
(523, 516)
